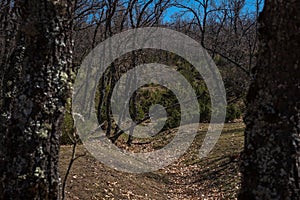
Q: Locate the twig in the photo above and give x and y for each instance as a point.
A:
(73, 158)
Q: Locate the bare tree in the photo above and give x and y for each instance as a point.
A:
(37, 86)
(270, 161)
(227, 30)
(223, 29)
(8, 27)
(132, 14)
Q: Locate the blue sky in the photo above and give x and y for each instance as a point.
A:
(250, 6)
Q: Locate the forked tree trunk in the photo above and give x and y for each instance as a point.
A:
(271, 157)
(36, 88)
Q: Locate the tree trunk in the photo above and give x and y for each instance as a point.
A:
(271, 157)
(36, 87)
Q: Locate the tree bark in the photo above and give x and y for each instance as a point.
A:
(37, 85)
(270, 161)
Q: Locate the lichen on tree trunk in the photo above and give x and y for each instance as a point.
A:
(37, 86)
(271, 157)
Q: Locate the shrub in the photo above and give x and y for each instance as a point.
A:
(233, 112)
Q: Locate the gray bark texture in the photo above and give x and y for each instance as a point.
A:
(271, 158)
(37, 84)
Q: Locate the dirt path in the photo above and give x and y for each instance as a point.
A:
(215, 177)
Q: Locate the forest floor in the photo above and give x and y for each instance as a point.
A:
(214, 177)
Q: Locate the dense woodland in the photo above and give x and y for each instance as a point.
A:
(254, 43)
(227, 30)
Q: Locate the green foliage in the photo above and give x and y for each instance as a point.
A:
(233, 112)
(152, 94)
